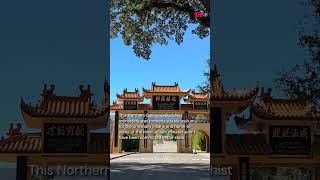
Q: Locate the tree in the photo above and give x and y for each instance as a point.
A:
(205, 85)
(303, 80)
(144, 23)
(199, 141)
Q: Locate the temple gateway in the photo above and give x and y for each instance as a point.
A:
(65, 134)
(281, 136)
(182, 112)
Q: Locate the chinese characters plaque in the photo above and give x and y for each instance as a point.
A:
(200, 105)
(65, 138)
(130, 105)
(290, 139)
(166, 102)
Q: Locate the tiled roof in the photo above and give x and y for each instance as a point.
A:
(115, 106)
(126, 95)
(247, 144)
(197, 96)
(283, 109)
(64, 106)
(165, 89)
(220, 94)
(30, 143)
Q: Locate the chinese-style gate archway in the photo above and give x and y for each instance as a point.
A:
(279, 133)
(164, 100)
(65, 137)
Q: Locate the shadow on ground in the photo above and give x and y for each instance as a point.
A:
(163, 171)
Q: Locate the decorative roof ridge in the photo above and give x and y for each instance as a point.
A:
(165, 86)
(249, 93)
(49, 94)
(35, 111)
(12, 133)
(176, 84)
(193, 96)
(199, 92)
(266, 97)
(125, 91)
(266, 112)
(67, 98)
(130, 95)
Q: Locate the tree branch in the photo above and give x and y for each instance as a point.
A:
(206, 4)
(205, 21)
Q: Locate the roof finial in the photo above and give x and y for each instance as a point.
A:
(52, 87)
(265, 96)
(81, 87)
(269, 91)
(19, 126)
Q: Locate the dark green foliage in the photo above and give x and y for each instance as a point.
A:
(303, 80)
(131, 144)
(144, 23)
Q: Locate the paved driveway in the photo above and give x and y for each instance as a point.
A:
(161, 166)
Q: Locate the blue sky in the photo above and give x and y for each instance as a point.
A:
(183, 63)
